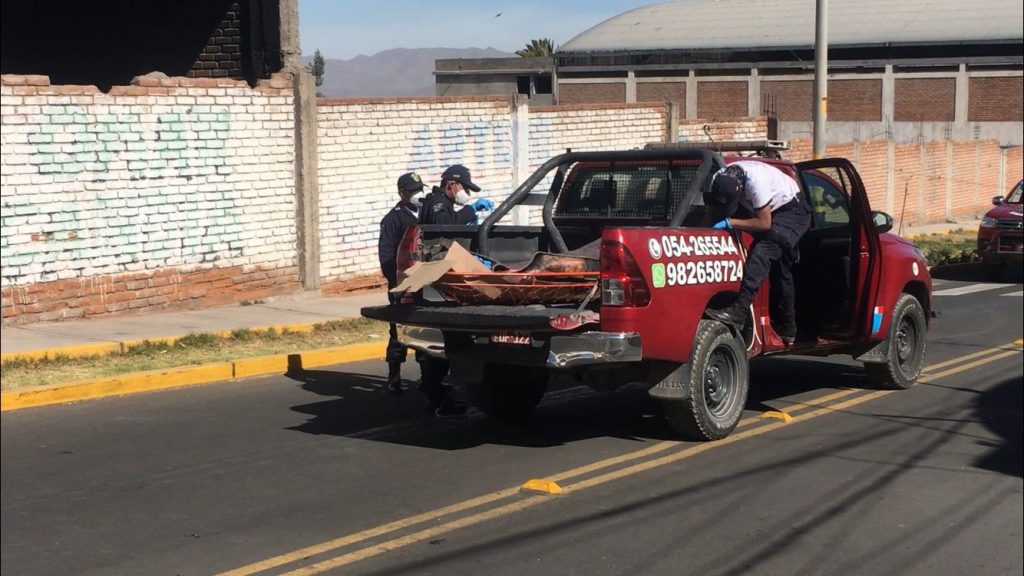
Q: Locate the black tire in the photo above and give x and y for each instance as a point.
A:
(906, 347)
(509, 393)
(719, 381)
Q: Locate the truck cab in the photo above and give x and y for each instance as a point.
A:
(639, 215)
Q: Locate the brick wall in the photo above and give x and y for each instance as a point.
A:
(792, 100)
(222, 56)
(925, 99)
(663, 92)
(854, 100)
(931, 181)
(593, 92)
(995, 99)
(590, 127)
(172, 193)
(692, 130)
(365, 145)
(721, 99)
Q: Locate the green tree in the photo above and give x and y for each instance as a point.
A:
(537, 49)
(316, 68)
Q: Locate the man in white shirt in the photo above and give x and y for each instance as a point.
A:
(779, 218)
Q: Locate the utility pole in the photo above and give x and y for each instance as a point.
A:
(820, 76)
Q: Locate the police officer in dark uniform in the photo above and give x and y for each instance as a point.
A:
(455, 187)
(439, 208)
(392, 228)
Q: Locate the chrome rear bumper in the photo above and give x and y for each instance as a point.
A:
(588, 348)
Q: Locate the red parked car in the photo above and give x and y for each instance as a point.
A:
(1000, 236)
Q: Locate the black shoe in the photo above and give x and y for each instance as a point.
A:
(450, 408)
(395, 378)
(734, 315)
(788, 336)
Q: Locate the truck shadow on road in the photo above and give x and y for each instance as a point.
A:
(358, 407)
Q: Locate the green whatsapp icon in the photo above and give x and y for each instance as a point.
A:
(658, 275)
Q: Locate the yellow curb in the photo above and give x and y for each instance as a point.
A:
(75, 351)
(127, 384)
(261, 365)
(1019, 342)
(102, 348)
(541, 486)
(351, 353)
(186, 376)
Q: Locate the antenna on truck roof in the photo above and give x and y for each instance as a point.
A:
(707, 132)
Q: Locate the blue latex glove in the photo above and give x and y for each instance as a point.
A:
(482, 204)
(723, 225)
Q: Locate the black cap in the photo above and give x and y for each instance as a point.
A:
(459, 173)
(724, 195)
(410, 181)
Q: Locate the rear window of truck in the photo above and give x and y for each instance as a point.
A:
(648, 192)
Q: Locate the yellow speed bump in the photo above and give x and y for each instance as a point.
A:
(541, 487)
(777, 415)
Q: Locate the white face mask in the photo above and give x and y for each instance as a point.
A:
(462, 198)
(417, 199)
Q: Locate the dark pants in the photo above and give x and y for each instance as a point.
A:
(432, 369)
(774, 252)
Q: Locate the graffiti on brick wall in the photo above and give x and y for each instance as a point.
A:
(118, 188)
(469, 143)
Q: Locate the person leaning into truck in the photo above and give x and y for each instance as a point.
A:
(392, 228)
(779, 219)
(455, 187)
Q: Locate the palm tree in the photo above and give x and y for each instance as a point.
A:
(537, 49)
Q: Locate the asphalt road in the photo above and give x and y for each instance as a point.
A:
(321, 472)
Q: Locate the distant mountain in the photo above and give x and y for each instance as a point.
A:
(396, 72)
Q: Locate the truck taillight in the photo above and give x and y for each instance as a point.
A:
(408, 249)
(622, 283)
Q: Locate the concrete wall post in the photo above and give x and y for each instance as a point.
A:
(961, 96)
(307, 188)
(888, 95)
(291, 50)
(691, 95)
(520, 112)
(630, 87)
(671, 122)
(754, 94)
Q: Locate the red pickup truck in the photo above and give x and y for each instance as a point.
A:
(639, 215)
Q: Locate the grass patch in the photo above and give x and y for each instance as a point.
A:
(955, 247)
(190, 350)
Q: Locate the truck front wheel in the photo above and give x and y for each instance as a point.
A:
(509, 393)
(906, 347)
(719, 380)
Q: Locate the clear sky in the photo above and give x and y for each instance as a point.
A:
(347, 28)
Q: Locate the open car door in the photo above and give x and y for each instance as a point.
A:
(841, 251)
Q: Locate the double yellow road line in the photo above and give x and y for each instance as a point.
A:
(586, 476)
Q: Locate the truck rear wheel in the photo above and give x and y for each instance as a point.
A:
(719, 380)
(906, 347)
(509, 393)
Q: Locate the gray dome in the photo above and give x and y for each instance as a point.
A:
(750, 24)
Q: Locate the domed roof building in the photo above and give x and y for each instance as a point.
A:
(910, 69)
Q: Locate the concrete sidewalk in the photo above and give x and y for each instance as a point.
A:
(304, 308)
(293, 309)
